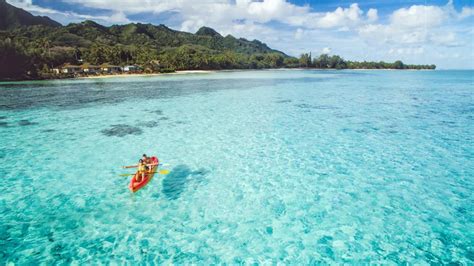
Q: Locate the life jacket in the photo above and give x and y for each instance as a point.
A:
(142, 167)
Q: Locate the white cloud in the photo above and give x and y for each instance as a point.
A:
(416, 25)
(134, 6)
(118, 17)
(192, 25)
(372, 15)
(407, 51)
(418, 16)
(466, 12)
(223, 12)
(340, 17)
(28, 5)
(253, 31)
(445, 39)
(213, 10)
(326, 50)
(299, 34)
(271, 9)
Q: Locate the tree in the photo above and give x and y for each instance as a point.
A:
(305, 60)
(337, 62)
(322, 61)
(398, 64)
(97, 54)
(273, 60)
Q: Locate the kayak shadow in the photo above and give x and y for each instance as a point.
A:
(175, 182)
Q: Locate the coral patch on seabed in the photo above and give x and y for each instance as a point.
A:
(150, 124)
(25, 122)
(158, 112)
(121, 130)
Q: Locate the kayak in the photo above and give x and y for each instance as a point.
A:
(147, 179)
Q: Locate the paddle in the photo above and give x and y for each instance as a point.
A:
(161, 172)
(135, 166)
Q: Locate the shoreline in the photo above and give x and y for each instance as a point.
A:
(121, 75)
(182, 72)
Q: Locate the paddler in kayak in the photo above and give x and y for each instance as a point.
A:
(148, 162)
(143, 175)
(142, 169)
(140, 175)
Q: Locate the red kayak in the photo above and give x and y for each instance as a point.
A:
(148, 177)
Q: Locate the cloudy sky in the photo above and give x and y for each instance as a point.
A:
(421, 32)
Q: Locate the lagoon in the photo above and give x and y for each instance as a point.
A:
(277, 166)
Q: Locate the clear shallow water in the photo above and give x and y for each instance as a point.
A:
(266, 167)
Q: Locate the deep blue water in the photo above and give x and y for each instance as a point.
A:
(290, 167)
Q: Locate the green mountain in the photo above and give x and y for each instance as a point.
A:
(87, 33)
(13, 17)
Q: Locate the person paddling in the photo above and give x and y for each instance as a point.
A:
(142, 169)
(149, 162)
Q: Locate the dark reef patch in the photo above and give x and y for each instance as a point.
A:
(303, 105)
(319, 107)
(3, 117)
(164, 118)
(25, 122)
(269, 230)
(121, 130)
(3, 124)
(158, 112)
(150, 124)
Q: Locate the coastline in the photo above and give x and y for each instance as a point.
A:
(121, 75)
(182, 72)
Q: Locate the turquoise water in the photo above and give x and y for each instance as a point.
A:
(267, 167)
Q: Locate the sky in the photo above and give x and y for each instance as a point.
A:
(416, 32)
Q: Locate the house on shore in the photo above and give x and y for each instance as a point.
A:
(67, 69)
(106, 68)
(90, 69)
(87, 68)
(132, 69)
